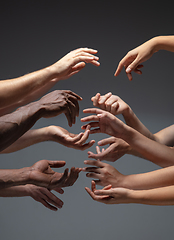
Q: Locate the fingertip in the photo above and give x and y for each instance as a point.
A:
(128, 70)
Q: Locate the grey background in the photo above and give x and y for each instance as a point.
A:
(35, 34)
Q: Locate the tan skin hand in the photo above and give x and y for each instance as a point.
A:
(41, 174)
(45, 196)
(117, 148)
(103, 173)
(76, 141)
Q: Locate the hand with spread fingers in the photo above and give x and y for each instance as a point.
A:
(103, 173)
(116, 149)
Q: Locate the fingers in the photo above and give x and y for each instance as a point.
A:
(74, 173)
(94, 163)
(94, 196)
(93, 110)
(49, 197)
(106, 141)
(56, 164)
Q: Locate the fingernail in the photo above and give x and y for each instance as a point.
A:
(128, 70)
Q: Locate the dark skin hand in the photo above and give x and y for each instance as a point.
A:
(14, 125)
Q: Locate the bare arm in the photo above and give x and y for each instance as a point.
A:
(109, 195)
(22, 90)
(39, 194)
(51, 133)
(14, 125)
(107, 123)
(39, 174)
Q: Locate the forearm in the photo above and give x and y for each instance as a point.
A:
(158, 196)
(154, 179)
(132, 120)
(14, 125)
(151, 150)
(16, 191)
(163, 43)
(14, 177)
(15, 90)
(29, 138)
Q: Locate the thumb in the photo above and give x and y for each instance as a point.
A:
(57, 164)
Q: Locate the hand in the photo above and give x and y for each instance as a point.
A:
(76, 141)
(41, 174)
(104, 122)
(133, 59)
(110, 103)
(104, 173)
(61, 101)
(109, 195)
(73, 62)
(45, 196)
(117, 148)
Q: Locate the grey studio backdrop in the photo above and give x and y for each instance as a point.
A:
(35, 34)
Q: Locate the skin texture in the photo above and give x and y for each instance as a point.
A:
(109, 195)
(20, 91)
(52, 133)
(105, 122)
(118, 147)
(133, 59)
(14, 125)
(39, 174)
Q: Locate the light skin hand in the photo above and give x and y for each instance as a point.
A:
(110, 103)
(103, 122)
(73, 62)
(133, 59)
(76, 141)
(117, 148)
(103, 173)
(109, 195)
(41, 174)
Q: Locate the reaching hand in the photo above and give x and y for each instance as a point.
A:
(104, 173)
(73, 62)
(45, 196)
(110, 103)
(117, 148)
(133, 59)
(76, 141)
(41, 174)
(104, 122)
(61, 101)
(109, 195)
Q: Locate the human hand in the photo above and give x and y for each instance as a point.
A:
(109, 195)
(104, 122)
(117, 148)
(110, 103)
(104, 173)
(76, 141)
(133, 59)
(45, 196)
(41, 174)
(61, 101)
(73, 62)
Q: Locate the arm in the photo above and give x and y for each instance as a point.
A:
(116, 106)
(14, 125)
(51, 133)
(22, 90)
(105, 174)
(109, 195)
(39, 194)
(40, 174)
(133, 59)
(153, 151)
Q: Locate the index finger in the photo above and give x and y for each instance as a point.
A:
(74, 94)
(93, 110)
